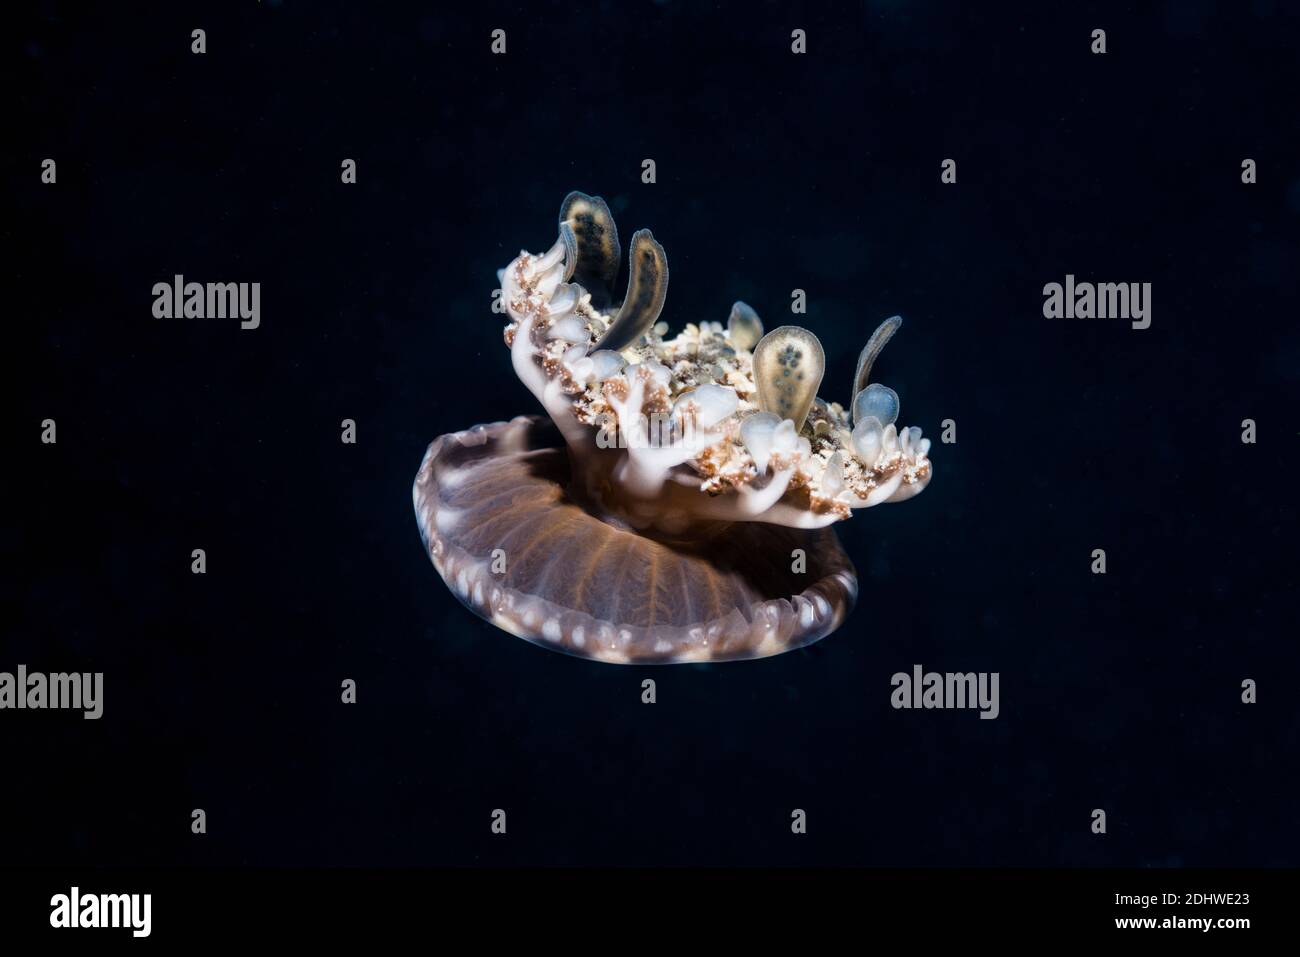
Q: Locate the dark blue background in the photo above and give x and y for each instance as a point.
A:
(775, 171)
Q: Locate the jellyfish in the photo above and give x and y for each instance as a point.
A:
(675, 502)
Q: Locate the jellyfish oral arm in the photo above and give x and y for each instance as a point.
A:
(751, 504)
(547, 391)
(768, 450)
(650, 460)
(793, 516)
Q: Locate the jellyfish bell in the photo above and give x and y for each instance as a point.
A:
(576, 578)
(675, 502)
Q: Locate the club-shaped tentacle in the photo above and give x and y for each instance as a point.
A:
(590, 239)
(870, 352)
(788, 367)
(647, 286)
(744, 328)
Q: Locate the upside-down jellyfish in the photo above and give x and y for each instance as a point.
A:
(675, 503)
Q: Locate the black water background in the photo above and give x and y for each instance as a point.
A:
(774, 172)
